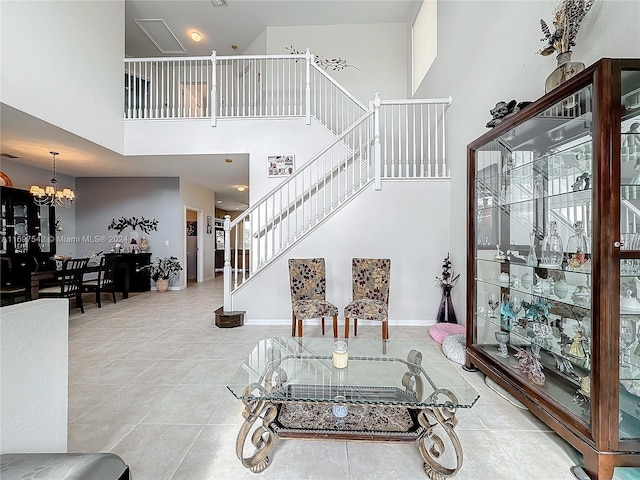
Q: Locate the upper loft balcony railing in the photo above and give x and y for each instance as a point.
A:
(243, 86)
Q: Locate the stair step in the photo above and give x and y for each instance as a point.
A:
(229, 319)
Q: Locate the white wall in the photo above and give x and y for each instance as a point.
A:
(34, 377)
(486, 53)
(407, 221)
(197, 196)
(379, 51)
(258, 46)
(258, 138)
(62, 61)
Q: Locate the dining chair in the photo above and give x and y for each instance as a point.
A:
(370, 285)
(69, 281)
(105, 282)
(307, 281)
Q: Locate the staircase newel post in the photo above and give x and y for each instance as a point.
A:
(226, 271)
(377, 161)
(214, 88)
(307, 89)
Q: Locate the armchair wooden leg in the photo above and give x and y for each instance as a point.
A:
(299, 327)
(322, 325)
(293, 324)
(335, 326)
(79, 301)
(355, 327)
(346, 327)
(99, 298)
(385, 331)
(114, 295)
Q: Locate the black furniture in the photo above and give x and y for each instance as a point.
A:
(69, 281)
(138, 281)
(27, 238)
(105, 282)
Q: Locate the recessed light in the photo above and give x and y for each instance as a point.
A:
(241, 188)
(195, 36)
(228, 160)
(219, 201)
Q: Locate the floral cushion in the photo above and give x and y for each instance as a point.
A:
(308, 287)
(370, 278)
(307, 279)
(367, 309)
(314, 309)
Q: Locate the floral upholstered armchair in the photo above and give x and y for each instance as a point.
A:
(307, 279)
(370, 277)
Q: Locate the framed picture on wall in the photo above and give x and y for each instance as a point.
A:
(209, 220)
(280, 165)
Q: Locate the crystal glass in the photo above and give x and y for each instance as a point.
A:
(552, 248)
(503, 339)
(578, 242)
(532, 259)
(516, 306)
(493, 304)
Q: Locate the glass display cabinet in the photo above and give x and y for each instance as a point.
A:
(554, 261)
(27, 237)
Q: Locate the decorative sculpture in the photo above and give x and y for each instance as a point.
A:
(504, 110)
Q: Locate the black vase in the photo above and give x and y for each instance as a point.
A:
(446, 314)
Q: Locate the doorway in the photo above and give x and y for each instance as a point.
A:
(193, 245)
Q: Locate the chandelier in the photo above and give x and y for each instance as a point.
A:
(49, 195)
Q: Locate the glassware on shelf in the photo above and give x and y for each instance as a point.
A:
(532, 259)
(493, 304)
(516, 306)
(578, 242)
(503, 339)
(552, 248)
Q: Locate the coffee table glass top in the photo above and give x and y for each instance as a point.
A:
(291, 369)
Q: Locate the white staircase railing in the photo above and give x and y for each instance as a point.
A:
(255, 86)
(391, 139)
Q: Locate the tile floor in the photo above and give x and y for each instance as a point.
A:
(147, 381)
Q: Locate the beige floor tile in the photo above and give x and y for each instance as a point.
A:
(148, 381)
(154, 452)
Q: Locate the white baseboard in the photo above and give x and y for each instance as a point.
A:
(328, 321)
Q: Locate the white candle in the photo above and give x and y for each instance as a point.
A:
(340, 354)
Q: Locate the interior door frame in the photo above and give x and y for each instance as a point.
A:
(200, 243)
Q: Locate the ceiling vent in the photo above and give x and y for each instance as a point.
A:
(220, 3)
(161, 35)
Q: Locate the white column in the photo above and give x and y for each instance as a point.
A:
(226, 271)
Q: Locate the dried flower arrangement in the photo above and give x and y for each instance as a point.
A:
(447, 278)
(335, 64)
(567, 17)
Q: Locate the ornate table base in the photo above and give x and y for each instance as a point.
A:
(432, 428)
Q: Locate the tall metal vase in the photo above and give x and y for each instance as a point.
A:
(446, 314)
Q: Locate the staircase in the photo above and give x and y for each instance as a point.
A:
(400, 139)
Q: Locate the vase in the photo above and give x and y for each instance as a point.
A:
(446, 314)
(563, 72)
(162, 285)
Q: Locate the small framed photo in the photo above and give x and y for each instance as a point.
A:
(209, 219)
(280, 165)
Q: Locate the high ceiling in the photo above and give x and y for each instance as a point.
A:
(221, 28)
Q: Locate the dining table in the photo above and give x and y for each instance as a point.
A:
(48, 277)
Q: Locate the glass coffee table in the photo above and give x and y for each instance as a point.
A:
(389, 391)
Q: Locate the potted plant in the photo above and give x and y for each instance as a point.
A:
(161, 271)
